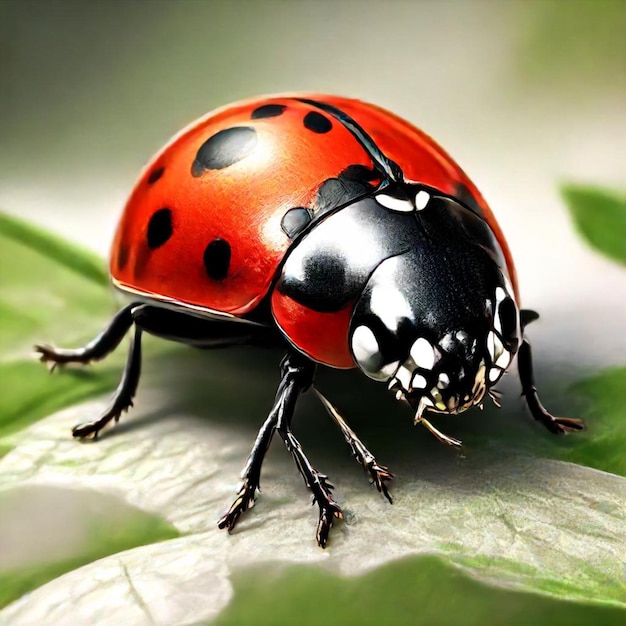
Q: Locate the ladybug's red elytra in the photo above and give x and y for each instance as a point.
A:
(337, 230)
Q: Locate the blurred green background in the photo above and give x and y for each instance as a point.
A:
(526, 95)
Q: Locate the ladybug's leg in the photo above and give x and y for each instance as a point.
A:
(379, 474)
(251, 474)
(123, 397)
(96, 349)
(557, 425)
(298, 377)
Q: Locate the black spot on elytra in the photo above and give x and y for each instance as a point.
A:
(159, 228)
(317, 122)
(224, 149)
(295, 221)
(122, 257)
(155, 175)
(217, 259)
(268, 110)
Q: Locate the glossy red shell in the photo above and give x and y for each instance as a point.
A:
(245, 202)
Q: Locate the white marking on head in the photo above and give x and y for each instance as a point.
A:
(423, 354)
(389, 305)
(499, 348)
(444, 381)
(404, 376)
(418, 382)
(500, 294)
(494, 347)
(422, 198)
(461, 335)
(496, 322)
(494, 374)
(395, 204)
(389, 369)
(503, 360)
(490, 346)
(364, 344)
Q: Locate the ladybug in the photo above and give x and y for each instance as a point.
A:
(337, 230)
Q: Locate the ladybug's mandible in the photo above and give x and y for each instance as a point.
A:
(332, 228)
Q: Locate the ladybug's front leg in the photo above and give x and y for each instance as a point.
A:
(379, 474)
(296, 377)
(556, 425)
(251, 475)
(95, 350)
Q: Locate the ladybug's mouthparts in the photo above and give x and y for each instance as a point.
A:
(432, 379)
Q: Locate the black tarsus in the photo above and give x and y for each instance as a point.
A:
(556, 425)
(251, 474)
(296, 377)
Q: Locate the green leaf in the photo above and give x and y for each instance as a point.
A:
(600, 217)
(54, 248)
(31, 393)
(416, 591)
(605, 442)
(569, 44)
(50, 291)
(67, 528)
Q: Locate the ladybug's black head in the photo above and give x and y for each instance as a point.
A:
(438, 321)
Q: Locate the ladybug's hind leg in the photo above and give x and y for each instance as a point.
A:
(96, 350)
(556, 425)
(379, 474)
(123, 397)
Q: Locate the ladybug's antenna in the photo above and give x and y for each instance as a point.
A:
(390, 169)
